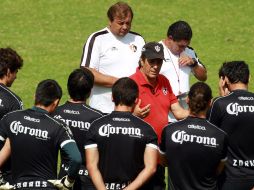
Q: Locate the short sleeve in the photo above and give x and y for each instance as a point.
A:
(214, 114)
(64, 136)
(163, 141)
(91, 137)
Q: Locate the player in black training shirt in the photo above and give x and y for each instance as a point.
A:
(194, 149)
(78, 116)
(35, 139)
(234, 113)
(121, 149)
(10, 63)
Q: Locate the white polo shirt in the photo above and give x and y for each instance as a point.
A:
(178, 76)
(110, 55)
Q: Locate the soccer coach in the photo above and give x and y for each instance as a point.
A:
(35, 139)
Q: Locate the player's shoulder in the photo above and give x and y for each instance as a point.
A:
(8, 94)
(98, 33)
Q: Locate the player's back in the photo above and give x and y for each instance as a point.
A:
(235, 115)
(35, 140)
(194, 148)
(9, 101)
(121, 139)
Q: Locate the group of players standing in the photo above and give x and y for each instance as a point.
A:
(122, 136)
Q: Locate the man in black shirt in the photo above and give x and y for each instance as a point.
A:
(234, 113)
(78, 116)
(10, 63)
(35, 139)
(194, 149)
(121, 149)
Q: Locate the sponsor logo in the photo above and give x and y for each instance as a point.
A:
(121, 119)
(16, 127)
(245, 98)
(72, 123)
(235, 108)
(133, 48)
(28, 184)
(164, 90)
(196, 127)
(72, 112)
(181, 136)
(243, 163)
(31, 119)
(116, 186)
(107, 130)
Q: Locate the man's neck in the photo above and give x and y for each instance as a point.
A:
(76, 102)
(123, 108)
(3, 81)
(238, 86)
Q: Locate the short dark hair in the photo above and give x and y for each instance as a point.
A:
(119, 10)
(180, 30)
(200, 95)
(125, 91)
(47, 92)
(235, 71)
(80, 84)
(9, 59)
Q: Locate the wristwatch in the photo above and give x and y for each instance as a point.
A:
(195, 62)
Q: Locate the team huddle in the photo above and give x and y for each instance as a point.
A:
(142, 117)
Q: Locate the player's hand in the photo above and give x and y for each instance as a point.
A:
(141, 112)
(4, 185)
(62, 184)
(223, 88)
(185, 60)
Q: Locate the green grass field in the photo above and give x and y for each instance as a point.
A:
(49, 34)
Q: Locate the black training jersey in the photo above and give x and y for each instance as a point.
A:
(8, 101)
(121, 139)
(78, 116)
(194, 148)
(235, 115)
(35, 139)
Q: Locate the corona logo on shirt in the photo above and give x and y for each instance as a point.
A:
(235, 108)
(16, 127)
(181, 136)
(107, 130)
(71, 123)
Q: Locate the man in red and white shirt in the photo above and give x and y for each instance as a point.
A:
(156, 95)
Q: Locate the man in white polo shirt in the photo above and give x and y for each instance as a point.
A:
(180, 61)
(112, 53)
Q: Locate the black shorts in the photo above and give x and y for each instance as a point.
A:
(82, 182)
(157, 181)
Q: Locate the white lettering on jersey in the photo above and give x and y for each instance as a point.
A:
(16, 127)
(1, 103)
(31, 119)
(71, 123)
(121, 119)
(181, 136)
(243, 163)
(245, 98)
(72, 112)
(235, 108)
(196, 127)
(107, 129)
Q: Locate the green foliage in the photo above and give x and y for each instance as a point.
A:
(50, 34)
